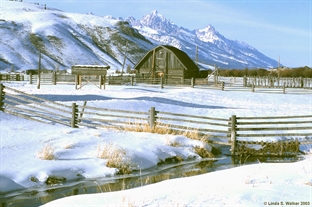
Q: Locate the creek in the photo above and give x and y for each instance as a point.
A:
(39, 196)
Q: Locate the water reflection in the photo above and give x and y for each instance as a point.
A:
(32, 198)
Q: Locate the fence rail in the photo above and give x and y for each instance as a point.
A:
(267, 84)
(239, 132)
(11, 77)
(18, 103)
(252, 130)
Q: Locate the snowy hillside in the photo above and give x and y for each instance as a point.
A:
(66, 39)
(213, 48)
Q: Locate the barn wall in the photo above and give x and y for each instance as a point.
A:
(165, 62)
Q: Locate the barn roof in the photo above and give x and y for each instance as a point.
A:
(185, 60)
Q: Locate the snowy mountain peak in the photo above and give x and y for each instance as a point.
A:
(66, 39)
(208, 34)
(158, 22)
(211, 29)
(155, 12)
(213, 47)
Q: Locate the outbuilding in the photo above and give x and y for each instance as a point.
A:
(168, 62)
(89, 73)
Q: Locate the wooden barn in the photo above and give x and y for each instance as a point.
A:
(168, 62)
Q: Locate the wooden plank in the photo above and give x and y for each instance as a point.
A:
(161, 124)
(33, 114)
(89, 70)
(113, 115)
(23, 116)
(10, 99)
(274, 135)
(108, 121)
(276, 117)
(273, 129)
(281, 122)
(192, 121)
(115, 110)
(192, 116)
(30, 108)
(35, 97)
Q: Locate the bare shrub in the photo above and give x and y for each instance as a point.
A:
(172, 143)
(142, 127)
(116, 157)
(47, 152)
(165, 129)
(308, 183)
(69, 146)
(194, 134)
(204, 153)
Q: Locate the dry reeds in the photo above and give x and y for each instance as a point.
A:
(116, 157)
(204, 153)
(143, 127)
(47, 152)
(172, 143)
(164, 129)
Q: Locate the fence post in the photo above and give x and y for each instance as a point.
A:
(245, 81)
(222, 86)
(233, 134)
(76, 82)
(132, 80)
(152, 117)
(2, 96)
(161, 83)
(82, 110)
(30, 78)
(74, 118)
(54, 77)
(192, 82)
(100, 82)
(284, 88)
(253, 87)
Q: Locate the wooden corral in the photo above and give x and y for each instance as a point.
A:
(88, 73)
(168, 62)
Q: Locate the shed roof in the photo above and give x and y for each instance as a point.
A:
(185, 60)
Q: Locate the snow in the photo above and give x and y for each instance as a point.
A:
(68, 38)
(75, 149)
(253, 185)
(72, 38)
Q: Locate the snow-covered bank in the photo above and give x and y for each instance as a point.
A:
(287, 184)
(75, 150)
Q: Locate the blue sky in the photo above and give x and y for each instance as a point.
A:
(277, 28)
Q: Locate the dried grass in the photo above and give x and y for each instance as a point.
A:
(47, 152)
(164, 129)
(172, 143)
(116, 157)
(142, 127)
(69, 146)
(204, 153)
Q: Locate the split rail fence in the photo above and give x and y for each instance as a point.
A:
(261, 82)
(243, 134)
(11, 77)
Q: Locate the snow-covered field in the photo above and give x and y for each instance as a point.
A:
(75, 149)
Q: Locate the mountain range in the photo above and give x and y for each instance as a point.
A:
(65, 39)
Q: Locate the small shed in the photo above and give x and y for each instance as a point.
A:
(168, 62)
(89, 73)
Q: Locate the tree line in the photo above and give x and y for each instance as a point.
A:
(305, 72)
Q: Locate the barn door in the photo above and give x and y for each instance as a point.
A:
(161, 63)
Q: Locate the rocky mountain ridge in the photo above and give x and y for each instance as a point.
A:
(66, 39)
